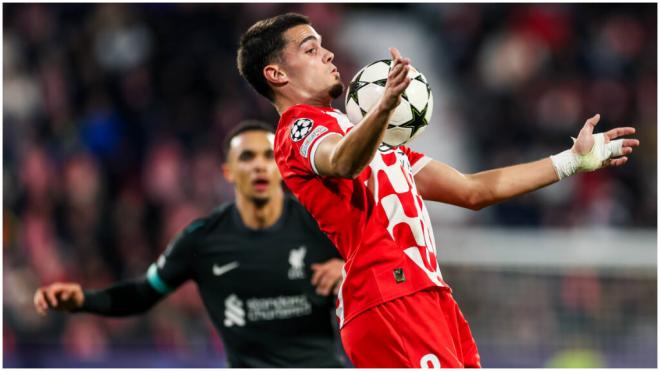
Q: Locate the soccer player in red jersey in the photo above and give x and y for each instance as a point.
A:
(394, 307)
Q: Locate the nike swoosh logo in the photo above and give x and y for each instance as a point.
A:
(220, 270)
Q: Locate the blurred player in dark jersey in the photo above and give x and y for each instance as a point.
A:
(394, 307)
(264, 269)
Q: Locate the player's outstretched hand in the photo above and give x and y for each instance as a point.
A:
(603, 149)
(397, 80)
(62, 296)
(327, 276)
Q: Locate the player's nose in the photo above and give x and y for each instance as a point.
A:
(329, 56)
(260, 164)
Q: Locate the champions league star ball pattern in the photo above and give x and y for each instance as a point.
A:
(300, 129)
(410, 117)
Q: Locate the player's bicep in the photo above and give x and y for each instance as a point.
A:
(440, 182)
(322, 155)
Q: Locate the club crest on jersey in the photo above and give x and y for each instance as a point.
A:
(301, 128)
(297, 261)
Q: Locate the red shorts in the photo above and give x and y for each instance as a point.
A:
(422, 330)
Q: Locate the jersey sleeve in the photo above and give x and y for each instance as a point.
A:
(303, 131)
(174, 266)
(417, 160)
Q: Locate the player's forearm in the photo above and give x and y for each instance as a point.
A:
(493, 186)
(355, 150)
(122, 299)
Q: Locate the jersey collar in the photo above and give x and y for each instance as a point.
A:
(236, 217)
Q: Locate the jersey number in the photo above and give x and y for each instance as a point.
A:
(430, 361)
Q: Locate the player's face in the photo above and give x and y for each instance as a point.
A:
(308, 65)
(251, 166)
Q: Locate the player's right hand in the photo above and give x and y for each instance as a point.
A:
(62, 296)
(397, 80)
(327, 276)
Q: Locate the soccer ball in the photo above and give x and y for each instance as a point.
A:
(410, 117)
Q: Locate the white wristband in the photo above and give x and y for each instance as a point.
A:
(568, 162)
(565, 163)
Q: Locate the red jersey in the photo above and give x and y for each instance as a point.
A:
(377, 221)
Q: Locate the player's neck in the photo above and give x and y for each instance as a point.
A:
(258, 216)
(283, 103)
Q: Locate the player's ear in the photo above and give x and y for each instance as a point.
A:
(275, 75)
(227, 172)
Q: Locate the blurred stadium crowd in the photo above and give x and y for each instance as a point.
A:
(526, 78)
(113, 115)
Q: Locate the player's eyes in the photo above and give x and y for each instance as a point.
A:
(270, 155)
(246, 156)
(311, 51)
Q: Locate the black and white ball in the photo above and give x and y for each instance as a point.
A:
(410, 117)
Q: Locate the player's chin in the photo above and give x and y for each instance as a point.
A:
(263, 193)
(336, 90)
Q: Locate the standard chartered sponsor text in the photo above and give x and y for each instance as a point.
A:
(281, 307)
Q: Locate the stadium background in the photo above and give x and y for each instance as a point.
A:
(113, 116)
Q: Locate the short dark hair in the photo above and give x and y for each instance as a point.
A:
(242, 127)
(260, 45)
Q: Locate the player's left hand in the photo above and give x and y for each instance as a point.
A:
(603, 149)
(327, 276)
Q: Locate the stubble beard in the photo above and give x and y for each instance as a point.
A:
(260, 202)
(336, 90)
